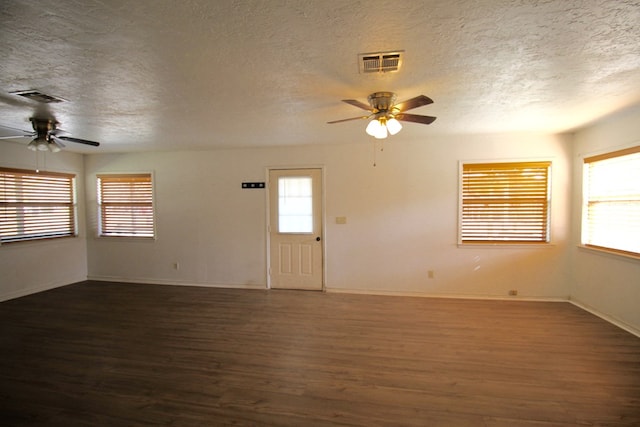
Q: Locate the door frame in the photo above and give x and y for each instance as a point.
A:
(323, 249)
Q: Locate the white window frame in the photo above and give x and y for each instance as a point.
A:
(595, 243)
(100, 213)
(501, 240)
(45, 195)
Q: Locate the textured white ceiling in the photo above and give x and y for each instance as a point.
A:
(191, 74)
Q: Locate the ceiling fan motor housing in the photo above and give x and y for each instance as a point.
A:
(382, 102)
(43, 126)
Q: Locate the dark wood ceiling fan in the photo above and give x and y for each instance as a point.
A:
(385, 113)
(46, 135)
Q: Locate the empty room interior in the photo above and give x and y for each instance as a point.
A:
(354, 213)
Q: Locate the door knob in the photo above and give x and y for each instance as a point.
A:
(317, 239)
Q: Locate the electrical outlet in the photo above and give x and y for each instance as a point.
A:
(176, 265)
(513, 292)
(430, 274)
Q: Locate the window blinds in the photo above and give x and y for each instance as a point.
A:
(611, 211)
(505, 202)
(36, 205)
(126, 205)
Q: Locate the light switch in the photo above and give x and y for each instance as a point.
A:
(341, 220)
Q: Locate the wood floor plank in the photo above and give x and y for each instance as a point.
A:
(97, 353)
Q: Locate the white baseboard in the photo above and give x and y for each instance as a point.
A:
(614, 321)
(445, 296)
(175, 282)
(36, 289)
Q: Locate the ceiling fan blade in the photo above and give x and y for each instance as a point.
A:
(7, 132)
(347, 120)
(16, 136)
(416, 102)
(57, 140)
(415, 118)
(357, 103)
(78, 140)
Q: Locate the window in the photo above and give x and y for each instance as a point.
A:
(295, 204)
(126, 205)
(504, 202)
(36, 205)
(611, 209)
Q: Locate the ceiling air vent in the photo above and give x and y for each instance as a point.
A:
(383, 62)
(38, 96)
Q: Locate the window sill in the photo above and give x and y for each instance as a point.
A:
(42, 240)
(506, 245)
(609, 252)
(125, 239)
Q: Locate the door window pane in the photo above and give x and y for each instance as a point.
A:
(295, 204)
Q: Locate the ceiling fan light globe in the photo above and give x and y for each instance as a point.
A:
(32, 145)
(377, 129)
(372, 127)
(55, 148)
(381, 132)
(43, 146)
(393, 126)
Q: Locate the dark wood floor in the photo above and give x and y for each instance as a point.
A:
(108, 354)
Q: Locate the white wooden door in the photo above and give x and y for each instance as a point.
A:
(295, 229)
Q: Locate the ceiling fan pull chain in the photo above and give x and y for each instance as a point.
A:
(375, 153)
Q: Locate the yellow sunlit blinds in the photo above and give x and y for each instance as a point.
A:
(126, 205)
(611, 212)
(36, 205)
(505, 202)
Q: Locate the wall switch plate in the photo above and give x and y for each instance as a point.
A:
(341, 220)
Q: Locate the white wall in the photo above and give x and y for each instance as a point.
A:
(401, 218)
(607, 284)
(28, 267)
(401, 222)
